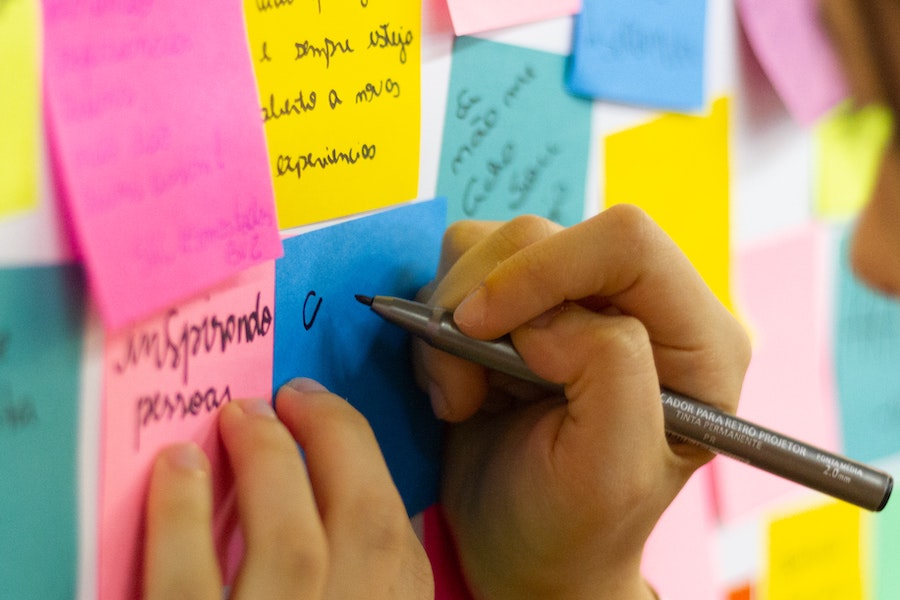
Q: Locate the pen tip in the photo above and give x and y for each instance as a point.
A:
(367, 300)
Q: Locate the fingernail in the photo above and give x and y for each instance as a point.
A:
(439, 405)
(187, 457)
(257, 407)
(305, 384)
(470, 312)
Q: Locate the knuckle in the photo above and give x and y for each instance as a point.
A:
(627, 338)
(294, 549)
(524, 230)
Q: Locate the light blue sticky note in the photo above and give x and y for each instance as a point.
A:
(514, 140)
(41, 324)
(866, 351)
(643, 52)
(322, 332)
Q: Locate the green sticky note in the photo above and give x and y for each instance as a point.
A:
(41, 321)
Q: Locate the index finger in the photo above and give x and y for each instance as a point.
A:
(620, 258)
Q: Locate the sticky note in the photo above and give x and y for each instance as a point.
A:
(886, 545)
(675, 167)
(815, 554)
(154, 124)
(848, 148)
(324, 333)
(794, 51)
(339, 88)
(785, 388)
(437, 539)
(472, 16)
(688, 525)
(19, 105)
(41, 324)
(866, 347)
(644, 52)
(504, 153)
(165, 380)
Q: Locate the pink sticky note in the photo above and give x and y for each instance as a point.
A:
(165, 380)
(154, 121)
(678, 557)
(472, 16)
(793, 49)
(788, 386)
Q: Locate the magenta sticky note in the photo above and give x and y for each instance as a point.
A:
(165, 380)
(473, 16)
(794, 50)
(154, 125)
(782, 290)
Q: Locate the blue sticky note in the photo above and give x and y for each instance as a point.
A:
(643, 52)
(866, 349)
(514, 140)
(41, 325)
(321, 331)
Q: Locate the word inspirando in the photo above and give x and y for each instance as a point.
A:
(175, 344)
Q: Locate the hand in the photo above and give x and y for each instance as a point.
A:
(336, 528)
(554, 497)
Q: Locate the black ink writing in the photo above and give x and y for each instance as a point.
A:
(264, 5)
(334, 99)
(474, 194)
(527, 76)
(385, 37)
(481, 127)
(265, 53)
(285, 164)
(326, 51)
(16, 412)
(310, 319)
(521, 185)
(176, 343)
(297, 105)
(371, 91)
(158, 406)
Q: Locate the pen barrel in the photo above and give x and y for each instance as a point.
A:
(722, 433)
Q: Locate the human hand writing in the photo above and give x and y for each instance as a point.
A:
(554, 497)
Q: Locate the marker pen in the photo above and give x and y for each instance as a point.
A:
(686, 419)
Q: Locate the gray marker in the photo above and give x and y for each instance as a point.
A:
(686, 419)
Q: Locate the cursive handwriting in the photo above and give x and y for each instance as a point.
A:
(523, 184)
(385, 37)
(285, 164)
(16, 413)
(326, 51)
(156, 407)
(298, 105)
(371, 92)
(176, 343)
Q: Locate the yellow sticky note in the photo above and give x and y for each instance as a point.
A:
(339, 88)
(815, 554)
(19, 105)
(676, 168)
(849, 144)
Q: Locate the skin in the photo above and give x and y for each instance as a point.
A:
(547, 497)
(337, 530)
(554, 497)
